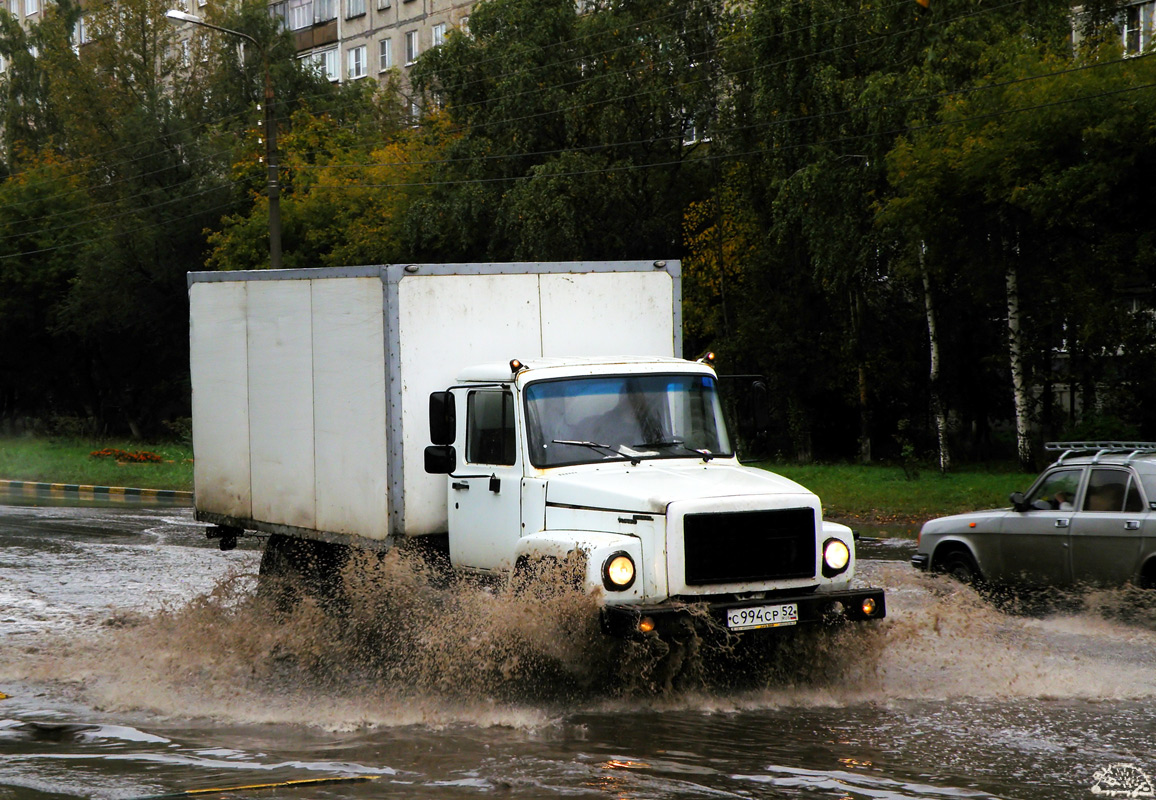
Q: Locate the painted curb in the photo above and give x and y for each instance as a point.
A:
(115, 494)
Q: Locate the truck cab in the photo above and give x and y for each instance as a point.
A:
(626, 463)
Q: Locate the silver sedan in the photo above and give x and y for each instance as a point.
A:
(1089, 518)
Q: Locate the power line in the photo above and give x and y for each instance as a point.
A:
(780, 122)
(115, 234)
(647, 141)
(282, 120)
(757, 151)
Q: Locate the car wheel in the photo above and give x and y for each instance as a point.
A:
(960, 565)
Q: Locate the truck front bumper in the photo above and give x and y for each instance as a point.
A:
(828, 608)
(921, 561)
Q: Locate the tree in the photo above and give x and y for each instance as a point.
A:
(122, 173)
(1027, 180)
(574, 130)
(347, 201)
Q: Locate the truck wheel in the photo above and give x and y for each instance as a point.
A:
(960, 565)
(294, 569)
(544, 577)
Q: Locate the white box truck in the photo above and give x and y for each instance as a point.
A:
(490, 409)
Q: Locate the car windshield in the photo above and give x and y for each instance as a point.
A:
(625, 417)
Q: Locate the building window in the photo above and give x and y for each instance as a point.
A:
(464, 26)
(411, 47)
(300, 14)
(280, 12)
(385, 50)
(327, 62)
(439, 34)
(414, 111)
(383, 4)
(31, 7)
(324, 10)
(357, 63)
(355, 8)
(1138, 27)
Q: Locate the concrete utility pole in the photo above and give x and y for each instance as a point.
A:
(273, 185)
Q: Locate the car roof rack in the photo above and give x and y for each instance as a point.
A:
(1097, 449)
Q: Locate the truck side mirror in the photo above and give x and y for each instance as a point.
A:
(760, 410)
(441, 459)
(443, 419)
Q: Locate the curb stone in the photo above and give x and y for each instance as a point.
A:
(123, 494)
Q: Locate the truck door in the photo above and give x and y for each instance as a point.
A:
(485, 492)
(1107, 531)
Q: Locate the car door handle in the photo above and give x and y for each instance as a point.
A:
(1061, 523)
(461, 485)
(1131, 524)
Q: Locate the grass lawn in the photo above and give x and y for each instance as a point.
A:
(25, 458)
(883, 494)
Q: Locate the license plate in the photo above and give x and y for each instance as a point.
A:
(739, 619)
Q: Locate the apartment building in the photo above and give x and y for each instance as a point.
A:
(355, 39)
(347, 39)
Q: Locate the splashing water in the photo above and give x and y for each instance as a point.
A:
(403, 646)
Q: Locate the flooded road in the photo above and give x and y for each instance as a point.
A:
(138, 662)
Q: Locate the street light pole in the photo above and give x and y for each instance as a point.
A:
(273, 185)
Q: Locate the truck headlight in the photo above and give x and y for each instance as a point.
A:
(836, 557)
(618, 572)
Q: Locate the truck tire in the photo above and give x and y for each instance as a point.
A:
(293, 569)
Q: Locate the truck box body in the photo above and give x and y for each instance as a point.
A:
(311, 387)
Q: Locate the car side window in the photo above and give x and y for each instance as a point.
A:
(1057, 491)
(1107, 489)
(1133, 502)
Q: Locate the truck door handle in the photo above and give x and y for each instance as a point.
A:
(465, 487)
(1131, 524)
(1061, 523)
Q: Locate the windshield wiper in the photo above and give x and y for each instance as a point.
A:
(580, 443)
(619, 450)
(705, 455)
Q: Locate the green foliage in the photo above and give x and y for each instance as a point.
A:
(346, 202)
(571, 129)
(1040, 173)
(113, 174)
(811, 163)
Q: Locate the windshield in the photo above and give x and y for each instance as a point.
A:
(631, 417)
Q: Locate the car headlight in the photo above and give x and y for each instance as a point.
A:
(836, 557)
(618, 572)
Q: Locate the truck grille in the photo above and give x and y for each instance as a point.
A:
(749, 546)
